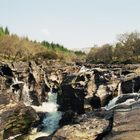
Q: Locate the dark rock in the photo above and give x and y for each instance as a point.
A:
(8, 82)
(5, 70)
(95, 102)
(126, 72)
(71, 98)
(131, 84)
(67, 118)
(34, 97)
(99, 77)
(31, 79)
(44, 92)
(125, 97)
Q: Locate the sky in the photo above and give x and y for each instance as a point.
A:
(72, 23)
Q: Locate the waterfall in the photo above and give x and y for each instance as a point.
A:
(124, 101)
(112, 103)
(51, 121)
(25, 95)
(16, 81)
(119, 89)
(16, 88)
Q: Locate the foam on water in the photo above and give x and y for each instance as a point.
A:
(129, 102)
(119, 89)
(112, 103)
(16, 81)
(51, 121)
(26, 97)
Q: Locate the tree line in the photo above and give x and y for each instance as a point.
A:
(4, 31)
(125, 50)
(13, 47)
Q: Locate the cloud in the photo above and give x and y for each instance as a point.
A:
(45, 32)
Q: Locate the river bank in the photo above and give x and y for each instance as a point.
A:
(54, 100)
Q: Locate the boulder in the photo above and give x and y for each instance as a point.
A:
(71, 96)
(105, 94)
(16, 120)
(88, 127)
(131, 84)
(126, 126)
(4, 99)
(5, 70)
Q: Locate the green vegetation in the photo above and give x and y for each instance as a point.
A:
(55, 47)
(14, 48)
(64, 53)
(126, 50)
(4, 31)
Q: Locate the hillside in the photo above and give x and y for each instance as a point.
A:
(126, 50)
(14, 48)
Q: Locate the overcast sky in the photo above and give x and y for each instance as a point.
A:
(72, 23)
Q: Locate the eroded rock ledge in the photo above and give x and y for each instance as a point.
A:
(89, 126)
(82, 96)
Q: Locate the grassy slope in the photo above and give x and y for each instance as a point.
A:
(14, 48)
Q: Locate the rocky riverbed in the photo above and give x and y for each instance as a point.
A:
(51, 100)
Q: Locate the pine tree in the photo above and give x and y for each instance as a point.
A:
(6, 31)
(1, 31)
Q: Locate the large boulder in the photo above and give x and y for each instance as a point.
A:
(71, 96)
(16, 119)
(126, 126)
(131, 84)
(87, 127)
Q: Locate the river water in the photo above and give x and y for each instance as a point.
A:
(53, 116)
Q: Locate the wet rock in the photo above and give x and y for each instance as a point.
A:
(34, 97)
(5, 70)
(100, 77)
(72, 96)
(44, 92)
(17, 120)
(67, 118)
(95, 102)
(131, 84)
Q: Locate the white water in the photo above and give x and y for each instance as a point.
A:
(112, 103)
(51, 121)
(52, 118)
(16, 81)
(119, 89)
(18, 91)
(127, 103)
(25, 95)
(83, 69)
